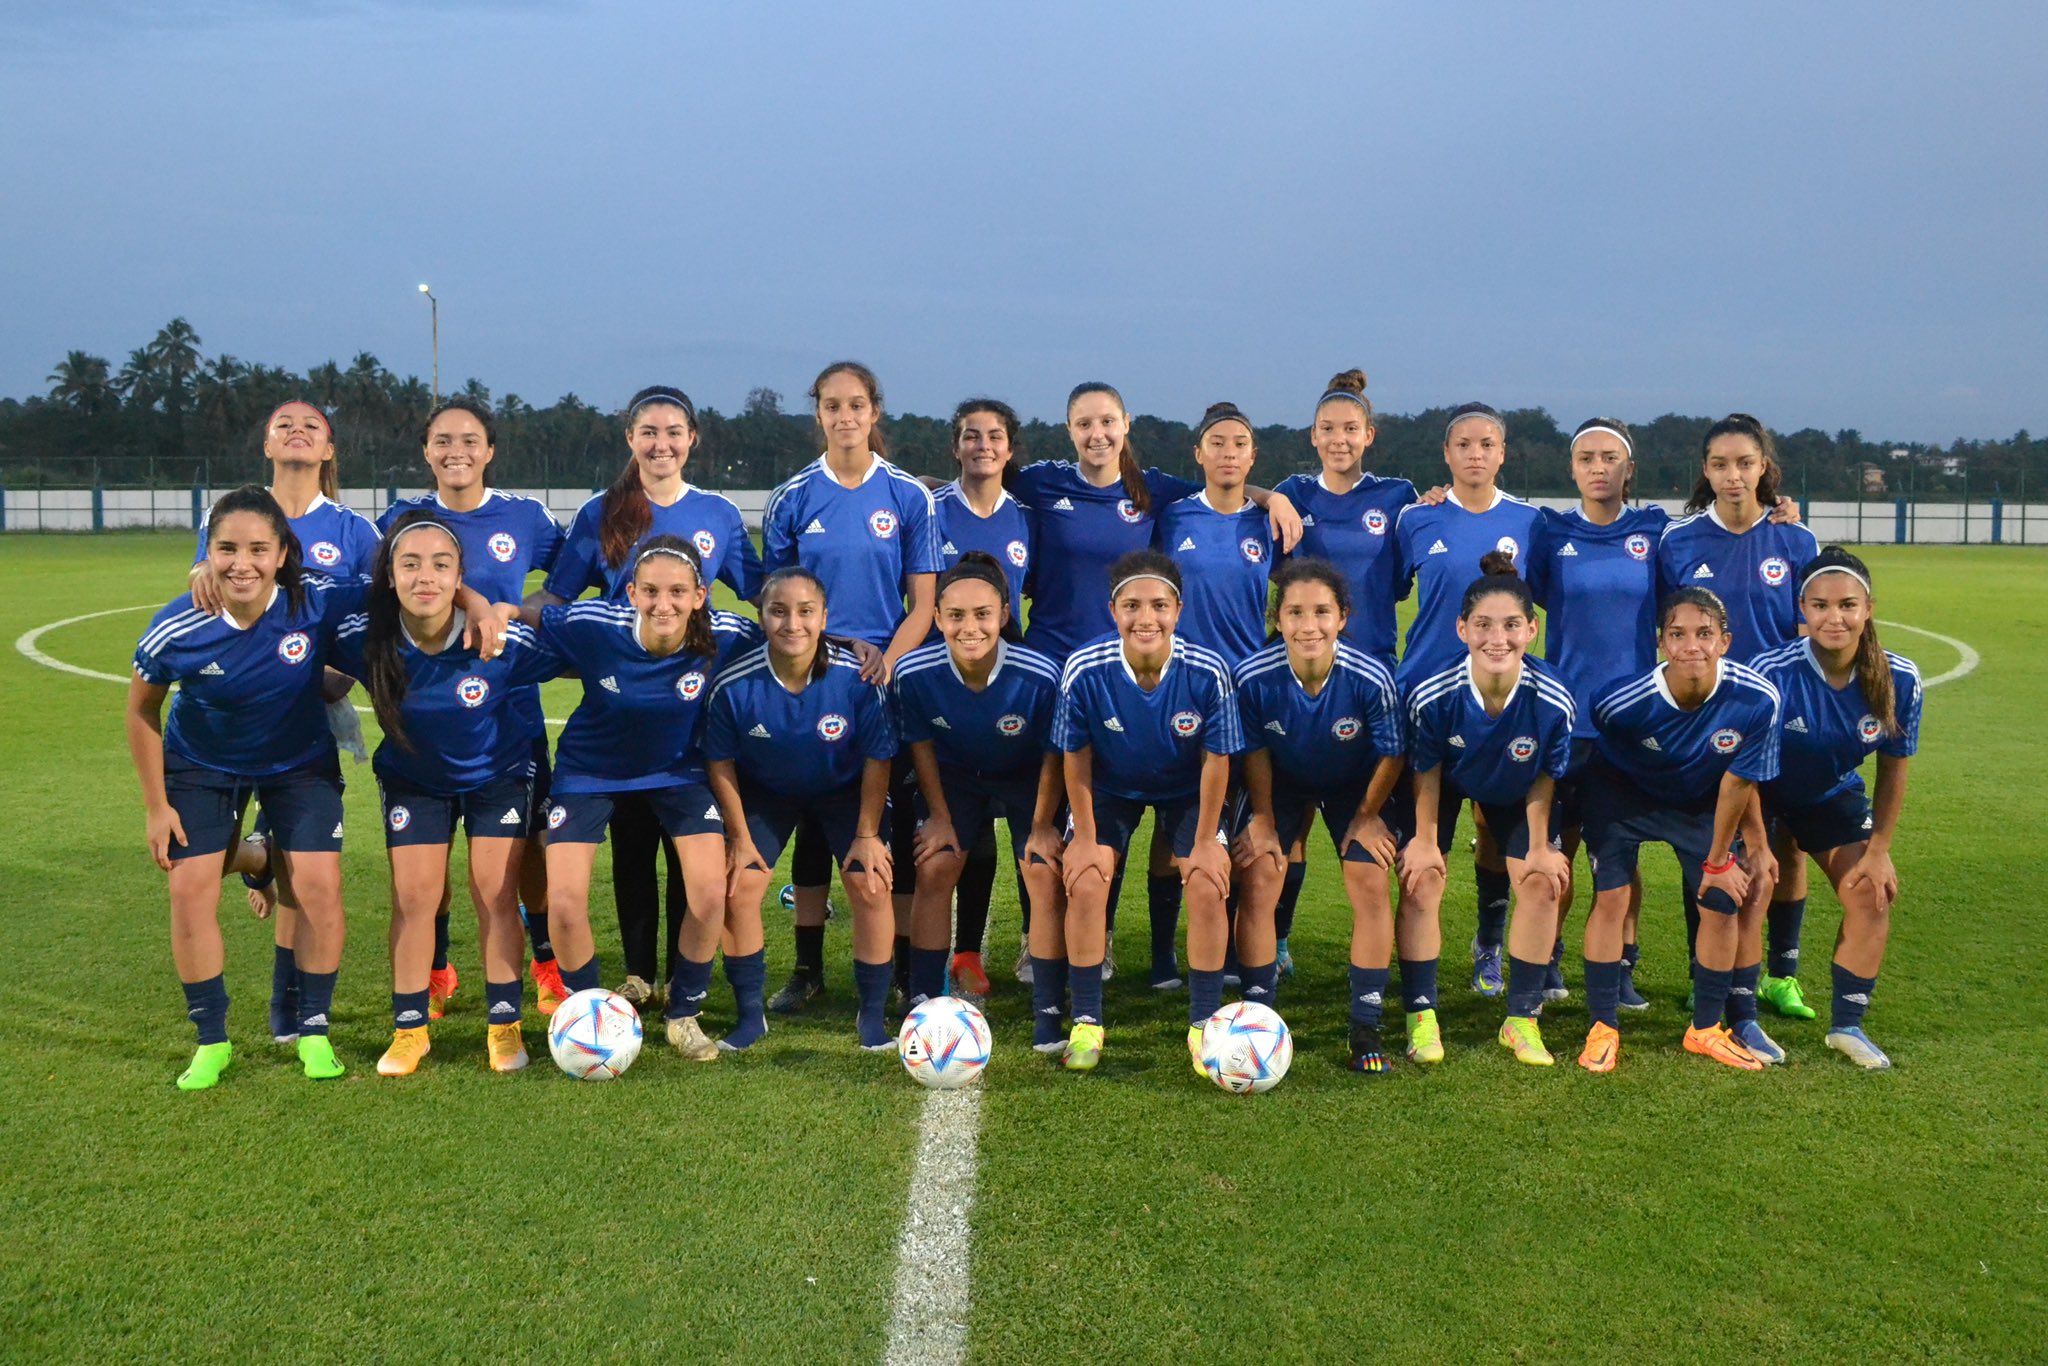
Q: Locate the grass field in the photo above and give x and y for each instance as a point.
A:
(750, 1210)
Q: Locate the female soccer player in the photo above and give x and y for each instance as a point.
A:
(504, 537)
(646, 671)
(975, 712)
(1730, 545)
(650, 497)
(1145, 720)
(458, 746)
(248, 719)
(1324, 724)
(1438, 544)
(1219, 539)
(794, 732)
(1497, 728)
(1843, 696)
(1679, 754)
(867, 532)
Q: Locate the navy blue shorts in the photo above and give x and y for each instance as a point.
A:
(772, 817)
(543, 783)
(500, 809)
(1620, 818)
(685, 809)
(1116, 820)
(1294, 811)
(901, 826)
(1570, 811)
(1827, 824)
(974, 801)
(302, 806)
(1399, 812)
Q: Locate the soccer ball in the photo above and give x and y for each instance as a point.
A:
(1246, 1048)
(944, 1043)
(594, 1035)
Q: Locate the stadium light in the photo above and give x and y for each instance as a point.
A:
(434, 308)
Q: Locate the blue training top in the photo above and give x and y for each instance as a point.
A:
(710, 521)
(1678, 755)
(1147, 745)
(1001, 732)
(1081, 530)
(1355, 532)
(248, 700)
(1492, 759)
(1755, 573)
(863, 543)
(1828, 732)
(1600, 591)
(1328, 743)
(1441, 546)
(1226, 560)
(333, 539)
(798, 744)
(1005, 533)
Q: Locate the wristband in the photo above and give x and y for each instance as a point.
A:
(1715, 869)
(857, 835)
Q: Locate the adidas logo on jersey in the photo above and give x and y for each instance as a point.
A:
(1439, 549)
(1063, 505)
(1650, 743)
(1457, 742)
(1113, 724)
(213, 671)
(1187, 543)
(1308, 519)
(1569, 549)
(1703, 573)
(1276, 728)
(941, 723)
(816, 528)
(1797, 725)
(949, 549)
(511, 816)
(759, 732)
(608, 683)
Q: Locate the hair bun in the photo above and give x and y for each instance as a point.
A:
(1349, 382)
(1219, 408)
(981, 557)
(1498, 564)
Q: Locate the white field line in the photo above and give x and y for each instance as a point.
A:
(1966, 665)
(928, 1313)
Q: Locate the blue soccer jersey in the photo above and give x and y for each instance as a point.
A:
(1680, 755)
(800, 744)
(1755, 573)
(1827, 732)
(707, 520)
(1001, 732)
(1147, 744)
(333, 539)
(1225, 559)
(1328, 743)
(637, 725)
(863, 543)
(505, 538)
(461, 713)
(1005, 533)
(1491, 759)
(248, 699)
(1600, 594)
(1440, 547)
(1355, 532)
(1081, 531)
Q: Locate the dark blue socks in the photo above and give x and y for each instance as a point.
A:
(1852, 998)
(1418, 985)
(927, 975)
(441, 941)
(408, 1009)
(1493, 905)
(1262, 984)
(1290, 894)
(1742, 994)
(871, 990)
(688, 988)
(1603, 991)
(1162, 905)
(537, 934)
(501, 1002)
(206, 1005)
(1087, 984)
(284, 992)
(316, 998)
(1786, 919)
(1368, 995)
(748, 976)
(810, 951)
(1709, 995)
(1049, 998)
(1205, 994)
(584, 978)
(1525, 986)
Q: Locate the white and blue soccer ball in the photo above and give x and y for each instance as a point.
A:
(944, 1043)
(1246, 1048)
(594, 1035)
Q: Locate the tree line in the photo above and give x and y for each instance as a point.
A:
(170, 416)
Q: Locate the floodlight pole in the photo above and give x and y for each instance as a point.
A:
(434, 309)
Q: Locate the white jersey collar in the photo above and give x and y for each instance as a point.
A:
(1664, 688)
(233, 625)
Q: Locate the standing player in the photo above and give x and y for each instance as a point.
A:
(1438, 545)
(1679, 755)
(1845, 696)
(1146, 720)
(975, 712)
(794, 732)
(1497, 728)
(1729, 544)
(504, 538)
(1323, 722)
(1219, 539)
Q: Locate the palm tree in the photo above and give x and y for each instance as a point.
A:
(140, 381)
(324, 383)
(83, 382)
(175, 349)
(218, 400)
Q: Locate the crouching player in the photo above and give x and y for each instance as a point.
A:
(1844, 696)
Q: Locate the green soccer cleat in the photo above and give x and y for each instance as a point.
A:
(1084, 1048)
(316, 1055)
(1520, 1034)
(1425, 1040)
(1195, 1051)
(1783, 994)
(209, 1060)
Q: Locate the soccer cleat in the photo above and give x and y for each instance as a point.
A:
(506, 1045)
(284, 1018)
(1717, 1043)
(744, 1035)
(1108, 962)
(316, 1057)
(1603, 1048)
(441, 984)
(1783, 994)
(549, 990)
(1084, 1048)
(402, 1059)
(1056, 1044)
(1851, 1043)
(1554, 988)
(799, 991)
(1486, 978)
(1166, 977)
(637, 990)
(1519, 1032)
(1283, 960)
(1367, 1055)
(970, 978)
(1024, 965)
(1195, 1051)
(688, 1039)
(209, 1060)
(1630, 998)
(1425, 1040)
(1751, 1035)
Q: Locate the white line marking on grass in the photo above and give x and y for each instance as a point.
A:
(928, 1315)
(1970, 658)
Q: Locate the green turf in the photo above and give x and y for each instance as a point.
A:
(750, 1209)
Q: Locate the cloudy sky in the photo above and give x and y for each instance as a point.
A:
(1830, 215)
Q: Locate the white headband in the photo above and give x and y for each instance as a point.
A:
(424, 524)
(1837, 569)
(1127, 581)
(1613, 431)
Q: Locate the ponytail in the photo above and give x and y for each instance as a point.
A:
(625, 516)
(1874, 677)
(1127, 467)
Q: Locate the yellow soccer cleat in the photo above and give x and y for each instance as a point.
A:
(1084, 1048)
(1425, 1040)
(506, 1045)
(1519, 1033)
(402, 1059)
